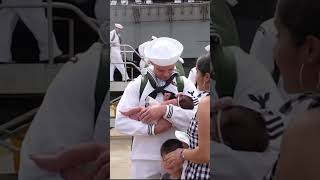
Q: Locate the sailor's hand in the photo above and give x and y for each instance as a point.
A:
(132, 111)
(162, 126)
(152, 113)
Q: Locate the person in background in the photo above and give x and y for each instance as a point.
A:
(115, 53)
(35, 20)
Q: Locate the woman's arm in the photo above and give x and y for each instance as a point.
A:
(201, 154)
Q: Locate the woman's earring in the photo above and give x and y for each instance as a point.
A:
(318, 85)
(220, 137)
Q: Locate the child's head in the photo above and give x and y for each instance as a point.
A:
(169, 146)
(241, 128)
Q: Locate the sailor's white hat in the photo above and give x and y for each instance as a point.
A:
(163, 51)
(207, 48)
(118, 26)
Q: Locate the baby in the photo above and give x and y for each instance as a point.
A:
(240, 128)
(181, 100)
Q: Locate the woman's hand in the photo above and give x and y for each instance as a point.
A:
(173, 159)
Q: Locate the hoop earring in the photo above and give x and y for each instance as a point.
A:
(219, 126)
(300, 78)
(318, 85)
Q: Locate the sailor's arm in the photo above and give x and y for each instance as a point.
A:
(180, 118)
(130, 99)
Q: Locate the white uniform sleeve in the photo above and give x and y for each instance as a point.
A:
(263, 43)
(181, 118)
(256, 90)
(192, 75)
(130, 99)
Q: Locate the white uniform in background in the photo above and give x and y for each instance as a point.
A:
(34, 19)
(142, 63)
(262, 49)
(145, 156)
(255, 89)
(193, 71)
(115, 56)
(66, 116)
(192, 75)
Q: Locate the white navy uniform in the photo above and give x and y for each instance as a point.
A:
(115, 56)
(145, 156)
(255, 89)
(66, 116)
(34, 19)
(262, 48)
(142, 63)
(192, 75)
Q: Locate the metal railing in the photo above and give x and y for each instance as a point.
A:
(49, 5)
(13, 127)
(131, 51)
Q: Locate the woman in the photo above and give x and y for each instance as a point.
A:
(297, 54)
(198, 154)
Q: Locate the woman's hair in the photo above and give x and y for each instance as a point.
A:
(204, 64)
(300, 17)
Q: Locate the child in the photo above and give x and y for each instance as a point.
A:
(167, 147)
(240, 128)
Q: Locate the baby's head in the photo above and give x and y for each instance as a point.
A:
(240, 128)
(167, 147)
(184, 101)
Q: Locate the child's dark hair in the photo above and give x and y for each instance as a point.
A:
(243, 129)
(204, 64)
(170, 145)
(300, 17)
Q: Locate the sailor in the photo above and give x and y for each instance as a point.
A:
(35, 20)
(162, 53)
(115, 53)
